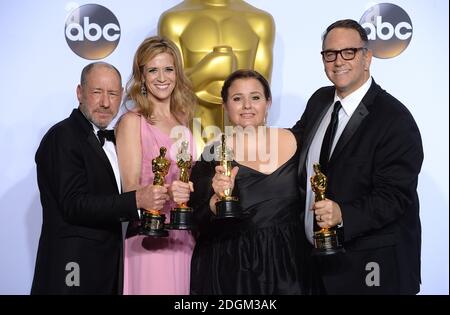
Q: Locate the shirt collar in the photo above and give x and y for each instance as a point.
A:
(95, 128)
(351, 101)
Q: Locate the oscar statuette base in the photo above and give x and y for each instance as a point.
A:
(229, 208)
(153, 225)
(327, 242)
(181, 219)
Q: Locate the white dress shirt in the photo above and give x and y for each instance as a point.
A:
(349, 105)
(110, 151)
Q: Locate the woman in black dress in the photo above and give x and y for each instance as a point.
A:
(266, 252)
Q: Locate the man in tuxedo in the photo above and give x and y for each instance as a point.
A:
(370, 149)
(80, 246)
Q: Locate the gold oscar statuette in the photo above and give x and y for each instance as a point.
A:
(228, 206)
(181, 215)
(152, 221)
(326, 240)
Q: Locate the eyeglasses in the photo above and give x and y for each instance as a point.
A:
(346, 54)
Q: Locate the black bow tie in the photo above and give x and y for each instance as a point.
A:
(106, 134)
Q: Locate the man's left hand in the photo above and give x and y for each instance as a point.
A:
(328, 213)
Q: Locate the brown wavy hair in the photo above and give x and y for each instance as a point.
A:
(182, 100)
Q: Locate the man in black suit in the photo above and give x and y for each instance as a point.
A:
(81, 239)
(372, 160)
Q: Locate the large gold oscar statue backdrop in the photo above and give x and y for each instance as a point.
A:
(215, 38)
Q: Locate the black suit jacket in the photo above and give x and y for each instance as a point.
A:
(82, 210)
(372, 175)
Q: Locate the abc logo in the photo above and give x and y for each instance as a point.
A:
(388, 28)
(92, 31)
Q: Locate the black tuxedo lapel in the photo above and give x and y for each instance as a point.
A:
(358, 116)
(93, 141)
(351, 127)
(95, 144)
(318, 110)
(311, 133)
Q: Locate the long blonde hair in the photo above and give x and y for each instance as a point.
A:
(182, 100)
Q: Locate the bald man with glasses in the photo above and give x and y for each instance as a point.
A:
(370, 149)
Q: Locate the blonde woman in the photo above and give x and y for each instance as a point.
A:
(162, 102)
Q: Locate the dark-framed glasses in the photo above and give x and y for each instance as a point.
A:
(346, 54)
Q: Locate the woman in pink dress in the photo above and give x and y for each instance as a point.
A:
(163, 106)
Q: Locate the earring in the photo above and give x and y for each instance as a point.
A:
(143, 89)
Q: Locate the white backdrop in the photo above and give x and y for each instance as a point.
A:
(40, 74)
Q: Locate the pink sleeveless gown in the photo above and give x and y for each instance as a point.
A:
(158, 265)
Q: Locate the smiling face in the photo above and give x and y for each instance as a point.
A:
(100, 96)
(160, 77)
(246, 104)
(347, 75)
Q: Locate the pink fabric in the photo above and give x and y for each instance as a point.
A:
(158, 265)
